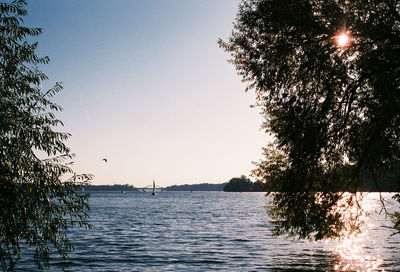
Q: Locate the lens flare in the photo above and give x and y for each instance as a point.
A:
(343, 39)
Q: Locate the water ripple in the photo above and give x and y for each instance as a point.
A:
(217, 231)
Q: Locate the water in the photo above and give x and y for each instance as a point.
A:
(213, 231)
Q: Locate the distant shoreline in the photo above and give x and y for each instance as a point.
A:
(185, 187)
(215, 187)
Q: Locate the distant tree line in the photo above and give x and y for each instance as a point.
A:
(115, 187)
(242, 184)
(196, 187)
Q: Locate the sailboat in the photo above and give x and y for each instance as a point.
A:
(154, 188)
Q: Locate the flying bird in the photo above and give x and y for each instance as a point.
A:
(104, 160)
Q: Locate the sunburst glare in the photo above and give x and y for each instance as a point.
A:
(343, 39)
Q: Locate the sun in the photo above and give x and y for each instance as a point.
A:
(343, 39)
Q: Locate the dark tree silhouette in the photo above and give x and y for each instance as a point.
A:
(36, 206)
(242, 184)
(326, 75)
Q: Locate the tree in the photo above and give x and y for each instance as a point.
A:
(242, 184)
(326, 75)
(36, 206)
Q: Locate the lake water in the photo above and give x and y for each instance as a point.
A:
(213, 231)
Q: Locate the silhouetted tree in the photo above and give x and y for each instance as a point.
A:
(326, 75)
(36, 206)
(242, 184)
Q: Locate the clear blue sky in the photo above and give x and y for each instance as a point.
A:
(147, 87)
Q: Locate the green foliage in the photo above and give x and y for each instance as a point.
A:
(36, 206)
(334, 112)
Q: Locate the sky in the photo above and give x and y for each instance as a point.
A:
(147, 87)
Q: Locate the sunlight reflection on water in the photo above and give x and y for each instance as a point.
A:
(363, 251)
(353, 256)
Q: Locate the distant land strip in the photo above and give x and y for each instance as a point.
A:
(244, 184)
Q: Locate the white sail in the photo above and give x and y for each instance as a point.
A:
(154, 188)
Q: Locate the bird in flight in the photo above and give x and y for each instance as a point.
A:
(104, 160)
